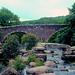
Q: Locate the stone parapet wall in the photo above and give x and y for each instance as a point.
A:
(44, 31)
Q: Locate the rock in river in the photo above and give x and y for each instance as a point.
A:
(39, 70)
(10, 71)
(39, 49)
(50, 63)
(41, 56)
(47, 74)
(32, 64)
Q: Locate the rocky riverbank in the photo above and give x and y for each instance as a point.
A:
(52, 63)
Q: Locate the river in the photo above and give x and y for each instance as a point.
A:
(61, 64)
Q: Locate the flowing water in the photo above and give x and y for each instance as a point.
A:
(61, 65)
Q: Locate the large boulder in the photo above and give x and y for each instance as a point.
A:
(47, 51)
(47, 74)
(23, 51)
(39, 49)
(10, 71)
(50, 63)
(39, 70)
(30, 52)
(32, 64)
(40, 45)
(41, 56)
(25, 59)
(40, 59)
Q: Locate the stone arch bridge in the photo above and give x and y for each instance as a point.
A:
(41, 31)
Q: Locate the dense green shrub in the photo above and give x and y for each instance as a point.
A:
(19, 64)
(10, 47)
(63, 36)
(31, 58)
(67, 34)
(73, 40)
(52, 39)
(0, 33)
(1, 66)
(19, 34)
(29, 40)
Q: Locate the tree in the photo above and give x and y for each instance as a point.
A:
(73, 40)
(0, 33)
(47, 20)
(72, 15)
(67, 34)
(10, 47)
(18, 63)
(31, 58)
(63, 36)
(29, 39)
(69, 37)
(53, 39)
(8, 18)
(72, 10)
(19, 34)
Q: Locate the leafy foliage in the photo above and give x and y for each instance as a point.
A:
(52, 39)
(72, 15)
(73, 40)
(7, 18)
(63, 36)
(47, 20)
(29, 39)
(39, 63)
(19, 64)
(1, 66)
(67, 34)
(0, 33)
(10, 47)
(19, 34)
(31, 58)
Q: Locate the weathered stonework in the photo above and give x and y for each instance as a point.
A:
(41, 31)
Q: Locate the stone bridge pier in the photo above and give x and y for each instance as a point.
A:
(41, 31)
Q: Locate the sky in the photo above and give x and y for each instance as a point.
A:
(35, 9)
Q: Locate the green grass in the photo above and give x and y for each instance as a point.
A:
(39, 63)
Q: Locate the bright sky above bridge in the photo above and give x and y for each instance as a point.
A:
(35, 9)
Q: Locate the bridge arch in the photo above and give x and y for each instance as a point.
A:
(52, 35)
(12, 33)
(41, 31)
